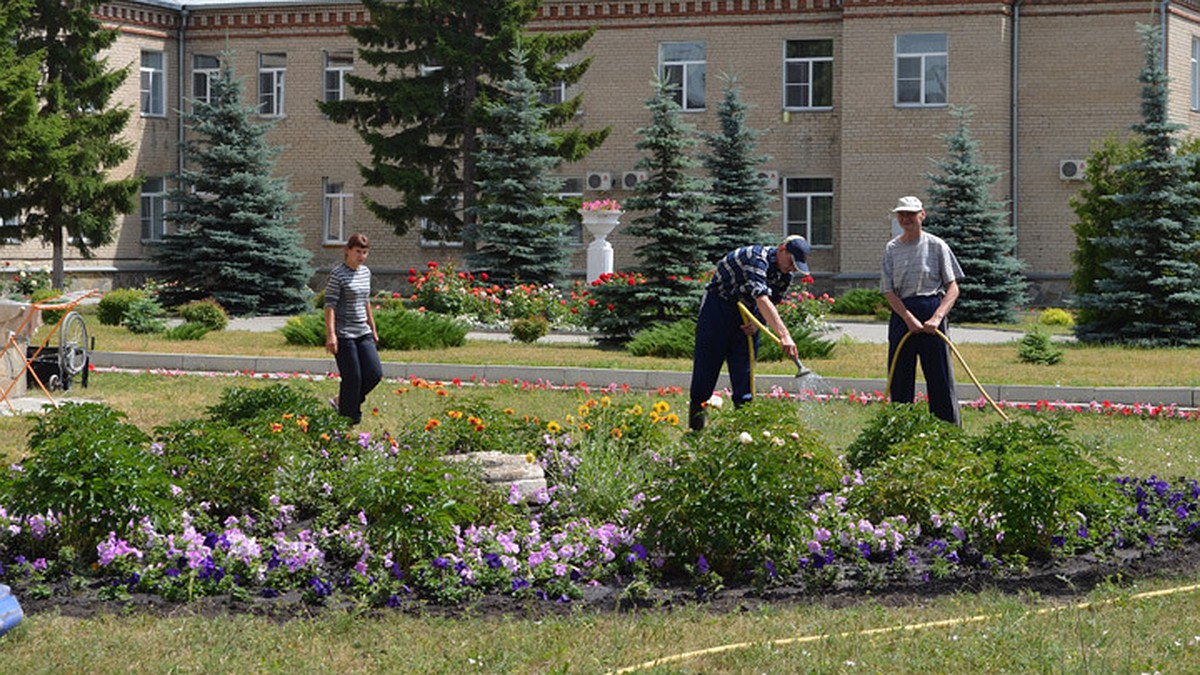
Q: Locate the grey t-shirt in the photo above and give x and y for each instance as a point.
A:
(922, 267)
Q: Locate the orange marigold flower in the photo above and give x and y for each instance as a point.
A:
(432, 424)
(276, 427)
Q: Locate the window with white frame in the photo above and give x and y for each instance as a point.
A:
(154, 84)
(808, 209)
(1195, 73)
(337, 64)
(337, 211)
(154, 206)
(205, 69)
(572, 190)
(555, 92)
(808, 74)
(683, 65)
(921, 69)
(271, 71)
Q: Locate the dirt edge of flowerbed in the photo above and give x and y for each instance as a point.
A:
(1060, 579)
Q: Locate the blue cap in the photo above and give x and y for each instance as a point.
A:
(799, 248)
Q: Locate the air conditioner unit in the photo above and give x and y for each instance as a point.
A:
(632, 178)
(770, 180)
(599, 180)
(1071, 169)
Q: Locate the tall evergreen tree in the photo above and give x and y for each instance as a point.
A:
(234, 240)
(1150, 294)
(19, 77)
(519, 228)
(66, 196)
(676, 236)
(962, 211)
(433, 63)
(740, 203)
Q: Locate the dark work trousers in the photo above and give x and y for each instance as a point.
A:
(719, 340)
(360, 370)
(935, 361)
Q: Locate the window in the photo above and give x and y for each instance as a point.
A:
(439, 234)
(683, 65)
(1195, 73)
(921, 69)
(808, 74)
(555, 93)
(808, 209)
(337, 64)
(154, 205)
(337, 209)
(205, 69)
(154, 84)
(572, 189)
(10, 226)
(271, 71)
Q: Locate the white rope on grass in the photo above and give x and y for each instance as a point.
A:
(912, 627)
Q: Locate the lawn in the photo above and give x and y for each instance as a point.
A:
(985, 631)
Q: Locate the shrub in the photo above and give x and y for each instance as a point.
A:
(205, 312)
(92, 467)
(216, 463)
(529, 329)
(1039, 477)
(113, 306)
(408, 330)
(860, 301)
(1056, 317)
(1037, 347)
(240, 405)
(442, 290)
(187, 331)
(305, 329)
(675, 340)
(49, 316)
(144, 315)
(891, 426)
(625, 303)
(757, 462)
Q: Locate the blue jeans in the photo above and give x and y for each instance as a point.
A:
(360, 370)
(935, 361)
(719, 340)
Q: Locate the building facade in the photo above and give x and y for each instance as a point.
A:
(852, 97)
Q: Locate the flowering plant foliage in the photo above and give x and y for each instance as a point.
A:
(601, 205)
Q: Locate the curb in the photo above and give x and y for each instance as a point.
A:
(647, 380)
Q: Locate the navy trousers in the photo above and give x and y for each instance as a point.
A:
(360, 370)
(719, 340)
(935, 361)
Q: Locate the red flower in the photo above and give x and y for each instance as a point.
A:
(483, 275)
(432, 264)
(591, 302)
(412, 278)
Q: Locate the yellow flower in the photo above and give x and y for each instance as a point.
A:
(604, 400)
(530, 458)
(616, 432)
(636, 409)
(673, 419)
(583, 410)
(553, 427)
(662, 407)
(454, 414)
(654, 416)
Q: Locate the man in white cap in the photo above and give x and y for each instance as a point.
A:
(920, 280)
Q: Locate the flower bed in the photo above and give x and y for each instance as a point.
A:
(270, 496)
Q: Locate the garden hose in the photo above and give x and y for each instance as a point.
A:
(896, 358)
(749, 317)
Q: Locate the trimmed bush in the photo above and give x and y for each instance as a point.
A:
(860, 301)
(529, 329)
(209, 313)
(669, 341)
(113, 306)
(398, 329)
(1056, 317)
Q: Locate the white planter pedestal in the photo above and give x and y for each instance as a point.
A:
(600, 253)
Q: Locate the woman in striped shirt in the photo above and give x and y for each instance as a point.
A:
(350, 333)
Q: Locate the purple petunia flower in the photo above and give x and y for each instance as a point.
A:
(702, 564)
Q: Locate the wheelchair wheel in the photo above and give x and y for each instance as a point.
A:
(72, 345)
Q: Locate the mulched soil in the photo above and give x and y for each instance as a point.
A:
(1063, 579)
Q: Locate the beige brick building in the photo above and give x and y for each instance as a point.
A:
(853, 98)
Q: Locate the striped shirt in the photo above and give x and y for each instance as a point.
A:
(922, 267)
(748, 272)
(348, 292)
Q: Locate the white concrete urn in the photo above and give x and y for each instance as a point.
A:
(600, 223)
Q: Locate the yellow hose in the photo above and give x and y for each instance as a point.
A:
(896, 357)
(750, 318)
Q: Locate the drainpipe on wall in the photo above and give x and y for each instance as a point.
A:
(1015, 142)
(183, 19)
(1162, 19)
